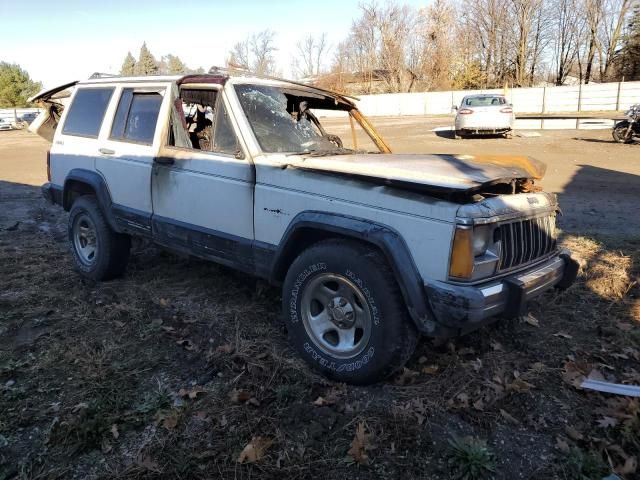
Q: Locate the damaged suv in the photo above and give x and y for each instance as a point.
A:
(371, 248)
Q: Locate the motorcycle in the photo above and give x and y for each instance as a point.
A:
(626, 130)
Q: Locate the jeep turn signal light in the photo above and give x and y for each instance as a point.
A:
(461, 265)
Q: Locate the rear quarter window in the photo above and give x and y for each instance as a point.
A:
(137, 116)
(86, 112)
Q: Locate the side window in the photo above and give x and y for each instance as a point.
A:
(136, 117)
(224, 138)
(87, 111)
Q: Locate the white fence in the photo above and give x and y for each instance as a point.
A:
(15, 114)
(565, 99)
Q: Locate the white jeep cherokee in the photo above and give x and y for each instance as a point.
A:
(372, 248)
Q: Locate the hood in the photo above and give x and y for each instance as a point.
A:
(444, 173)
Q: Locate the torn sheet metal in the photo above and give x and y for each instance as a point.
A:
(615, 388)
(443, 172)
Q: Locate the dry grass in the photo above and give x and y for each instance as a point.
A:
(95, 380)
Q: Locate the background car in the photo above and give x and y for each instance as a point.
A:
(5, 124)
(484, 114)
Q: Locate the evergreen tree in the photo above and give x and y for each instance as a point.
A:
(128, 68)
(175, 65)
(147, 64)
(630, 54)
(16, 86)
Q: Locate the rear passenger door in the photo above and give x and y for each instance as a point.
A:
(127, 150)
(75, 144)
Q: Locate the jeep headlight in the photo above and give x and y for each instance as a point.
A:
(468, 243)
(481, 240)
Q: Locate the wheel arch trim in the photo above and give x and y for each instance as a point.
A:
(98, 184)
(383, 237)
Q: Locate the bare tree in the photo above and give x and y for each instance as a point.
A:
(262, 49)
(568, 33)
(615, 16)
(310, 53)
(239, 56)
(594, 12)
(255, 53)
(525, 13)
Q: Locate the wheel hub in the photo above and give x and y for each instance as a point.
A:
(341, 312)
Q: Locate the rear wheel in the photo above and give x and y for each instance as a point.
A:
(99, 252)
(345, 314)
(620, 131)
(458, 134)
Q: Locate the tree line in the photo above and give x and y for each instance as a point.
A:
(458, 44)
(146, 64)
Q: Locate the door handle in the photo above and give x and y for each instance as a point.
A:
(106, 151)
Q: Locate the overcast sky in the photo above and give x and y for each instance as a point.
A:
(58, 41)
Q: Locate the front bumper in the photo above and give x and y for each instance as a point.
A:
(459, 309)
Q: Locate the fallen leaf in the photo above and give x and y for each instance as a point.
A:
(360, 445)
(624, 326)
(148, 464)
(168, 329)
(255, 450)
(164, 302)
(191, 393)
(595, 374)
(227, 348)
(253, 401)
(573, 433)
(114, 431)
(239, 396)
(519, 385)
(574, 373)
(187, 344)
(79, 406)
(607, 422)
(430, 369)
(169, 422)
(189, 320)
(562, 445)
(478, 405)
(320, 402)
(422, 360)
(106, 446)
(507, 416)
(562, 335)
(476, 364)
(496, 346)
(119, 324)
(406, 377)
(202, 416)
(531, 320)
(630, 466)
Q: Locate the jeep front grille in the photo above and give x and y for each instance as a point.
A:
(524, 241)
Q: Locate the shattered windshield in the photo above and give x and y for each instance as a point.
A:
(284, 123)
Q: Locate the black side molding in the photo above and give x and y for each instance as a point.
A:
(389, 241)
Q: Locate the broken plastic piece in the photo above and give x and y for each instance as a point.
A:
(615, 388)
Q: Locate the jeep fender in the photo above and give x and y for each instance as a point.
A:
(98, 184)
(385, 238)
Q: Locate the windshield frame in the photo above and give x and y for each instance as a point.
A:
(341, 104)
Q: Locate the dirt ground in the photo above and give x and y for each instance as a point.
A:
(177, 368)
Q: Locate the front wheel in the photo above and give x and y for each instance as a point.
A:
(620, 132)
(345, 314)
(99, 252)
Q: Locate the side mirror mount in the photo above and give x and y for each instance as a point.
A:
(454, 107)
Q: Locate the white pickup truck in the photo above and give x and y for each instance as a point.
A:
(371, 248)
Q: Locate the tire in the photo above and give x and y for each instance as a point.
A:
(88, 228)
(359, 293)
(458, 134)
(619, 132)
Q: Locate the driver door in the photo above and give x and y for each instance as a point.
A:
(203, 199)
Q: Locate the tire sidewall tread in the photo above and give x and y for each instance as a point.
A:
(393, 336)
